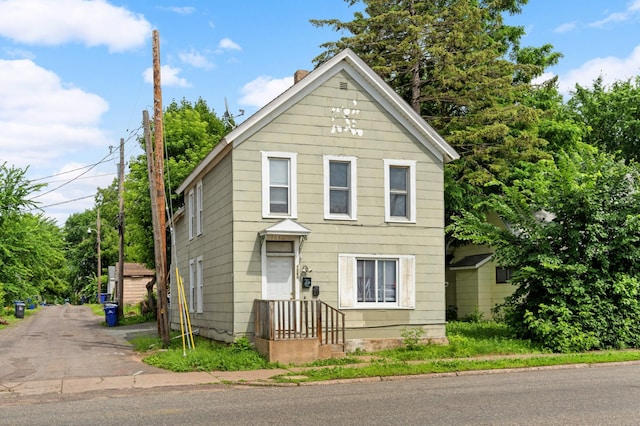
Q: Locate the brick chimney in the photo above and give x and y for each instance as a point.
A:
(299, 75)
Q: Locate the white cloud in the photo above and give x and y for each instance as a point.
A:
(616, 17)
(610, 68)
(19, 53)
(228, 44)
(565, 28)
(184, 10)
(93, 23)
(263, 90)
(195, 59)
(168, 77)
(41, 118)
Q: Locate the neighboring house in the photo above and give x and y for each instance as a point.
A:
(475, 284)
(136, 277)
(331, 192)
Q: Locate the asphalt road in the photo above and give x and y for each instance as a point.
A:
(603, 395)
(66, 341)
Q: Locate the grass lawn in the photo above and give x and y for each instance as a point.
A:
(473, 346)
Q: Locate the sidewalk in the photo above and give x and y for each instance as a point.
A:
(138, 381)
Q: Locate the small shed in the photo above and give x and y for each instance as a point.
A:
(136, 277)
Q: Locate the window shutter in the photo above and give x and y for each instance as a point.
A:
(346, 281)
(408, 280)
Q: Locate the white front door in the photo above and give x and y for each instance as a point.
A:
(279, 278)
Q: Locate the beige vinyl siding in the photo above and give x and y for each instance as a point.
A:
(215, 247)
(306, 130)
(476, 288)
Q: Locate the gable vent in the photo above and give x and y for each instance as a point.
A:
(343, 85)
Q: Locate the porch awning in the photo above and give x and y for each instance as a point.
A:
(285, 227)
(471, 262)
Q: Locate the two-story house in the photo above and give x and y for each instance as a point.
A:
(331, 192)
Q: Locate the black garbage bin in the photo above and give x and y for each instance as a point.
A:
(19, 309)
(111, 314)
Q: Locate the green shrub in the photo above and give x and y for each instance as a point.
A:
(411, 337)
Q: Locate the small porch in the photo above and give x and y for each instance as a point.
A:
(298, 331)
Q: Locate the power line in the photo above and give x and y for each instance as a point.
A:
(132, 134)
(69, 171)
(86, 177)
(63, 202)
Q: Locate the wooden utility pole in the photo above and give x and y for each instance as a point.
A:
(120, 284)
(99, 254)
(161, 230)
(152, 191)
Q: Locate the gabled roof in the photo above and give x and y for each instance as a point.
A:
(349, 62)
(135, 269)
(471, 262)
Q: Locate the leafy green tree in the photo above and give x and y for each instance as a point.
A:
(191, 131)
(14, 190)
(80, 233)
(81, 252)
(458, 65)
(611, 115)
(31, 246)
(571, 235)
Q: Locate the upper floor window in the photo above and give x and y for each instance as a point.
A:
(192, 213)
(400, 190)
(194, 204)
(279, 184)
(199, 212)
(340, 187)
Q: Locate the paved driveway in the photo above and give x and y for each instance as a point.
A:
(67, 341)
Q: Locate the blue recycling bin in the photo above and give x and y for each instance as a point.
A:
(111, 314)
(19, 309)
(104, 297)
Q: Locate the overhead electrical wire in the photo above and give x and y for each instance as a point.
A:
(88, 168)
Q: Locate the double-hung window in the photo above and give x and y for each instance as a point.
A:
(196, 284)
(192, 213)
(192, 285)
(194, 204)
(340, 195)
(199, 284)
(376, 281)
(279, 184)
(400, 190)
(199, 212)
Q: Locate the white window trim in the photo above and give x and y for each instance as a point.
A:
(353, 204)
(192, 284)
(191, 206)
(347, 282)
(199, 212)
(411, 196)
(293, 184)
(199, 284)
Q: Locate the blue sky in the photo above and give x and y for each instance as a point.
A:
(75, 74)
